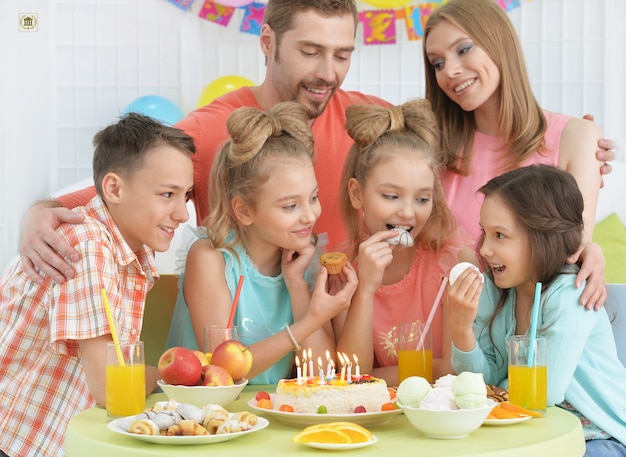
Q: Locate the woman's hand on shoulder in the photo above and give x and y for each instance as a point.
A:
(605, 151)
(592, 270)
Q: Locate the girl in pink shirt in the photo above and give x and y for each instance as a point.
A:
(391, 184)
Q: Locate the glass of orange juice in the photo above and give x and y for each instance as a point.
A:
(125, 379)
(528, 379)
(415, 353)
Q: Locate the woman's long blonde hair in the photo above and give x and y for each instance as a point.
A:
(377, 132)
(259, 142)
(522, 124)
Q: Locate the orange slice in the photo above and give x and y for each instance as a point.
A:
(322, 435)
(356, 433)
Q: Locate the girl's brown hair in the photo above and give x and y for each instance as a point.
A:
(548, 205)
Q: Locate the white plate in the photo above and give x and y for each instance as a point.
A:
(514, 420)
(304, 420)
(183, 440)
(341, 447)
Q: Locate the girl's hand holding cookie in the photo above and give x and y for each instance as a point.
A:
(375, 254)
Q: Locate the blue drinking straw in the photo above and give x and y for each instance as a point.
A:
(533, 325)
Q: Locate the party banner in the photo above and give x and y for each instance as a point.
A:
(379, 22)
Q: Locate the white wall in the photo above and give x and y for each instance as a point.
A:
(89, 59)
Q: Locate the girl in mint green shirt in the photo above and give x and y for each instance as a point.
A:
(532, 222)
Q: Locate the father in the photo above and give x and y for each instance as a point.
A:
(308, 45)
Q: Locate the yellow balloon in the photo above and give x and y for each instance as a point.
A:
(387, 3)
(221, 86)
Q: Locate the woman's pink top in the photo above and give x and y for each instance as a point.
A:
(487, 159)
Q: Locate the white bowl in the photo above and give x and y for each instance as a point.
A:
(447, 425)
(203, 395)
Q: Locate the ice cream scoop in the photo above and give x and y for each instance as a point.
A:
(469, 390)
(412, 390)
(460, 268)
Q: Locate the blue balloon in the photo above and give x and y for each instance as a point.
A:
(157, 107)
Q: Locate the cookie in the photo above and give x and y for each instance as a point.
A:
(403, 238)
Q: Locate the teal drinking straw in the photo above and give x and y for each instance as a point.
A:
(533, 325)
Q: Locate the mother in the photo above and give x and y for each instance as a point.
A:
(478, 86)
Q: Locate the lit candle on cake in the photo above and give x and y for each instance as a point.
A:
(311, 372)
(347, 359)
(304, 374)
(343, 366)
(298, 371)
(357, 374)
(321, 368)
(328, 367)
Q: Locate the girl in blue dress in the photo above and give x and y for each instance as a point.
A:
(532, 221)
(263, 206)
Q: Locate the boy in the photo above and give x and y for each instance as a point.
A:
(53, 336)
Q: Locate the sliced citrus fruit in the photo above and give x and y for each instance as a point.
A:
(356, 433)
(322, 435)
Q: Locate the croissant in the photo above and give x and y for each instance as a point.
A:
(144, 427)
(187, 427)
(212, 408)
(191, 412)
(166, 418)
(170, 405)
(232, 426)
(245, 416)
(212, 421)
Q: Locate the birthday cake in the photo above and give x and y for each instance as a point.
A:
(307, 396)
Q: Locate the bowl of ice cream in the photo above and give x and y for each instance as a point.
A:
(451, 409)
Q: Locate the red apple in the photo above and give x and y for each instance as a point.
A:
(234, 357)
(204, 359)
(213, 375)
(179, 366)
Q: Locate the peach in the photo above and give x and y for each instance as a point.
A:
(234, 357)
(179, 366)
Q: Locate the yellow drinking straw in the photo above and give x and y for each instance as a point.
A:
(116, 341)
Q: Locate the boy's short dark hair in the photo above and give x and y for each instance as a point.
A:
(122, 146)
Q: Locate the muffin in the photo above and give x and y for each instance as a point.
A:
(333, 262)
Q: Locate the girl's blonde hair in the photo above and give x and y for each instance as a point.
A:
(522, 124)
(259, 142)
(377, 132)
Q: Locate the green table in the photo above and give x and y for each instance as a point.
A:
(559, 433)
